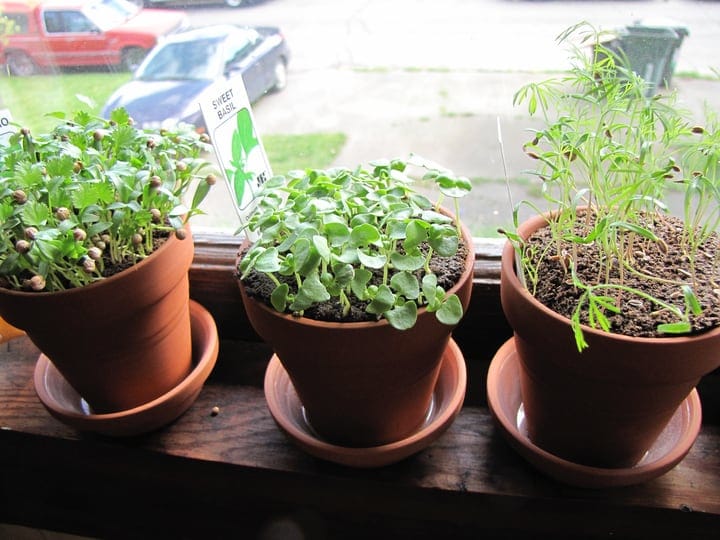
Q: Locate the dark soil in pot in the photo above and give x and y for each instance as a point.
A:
(666, 262)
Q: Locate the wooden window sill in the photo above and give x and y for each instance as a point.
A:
(234, 474)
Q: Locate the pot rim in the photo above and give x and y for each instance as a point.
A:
(172, 239)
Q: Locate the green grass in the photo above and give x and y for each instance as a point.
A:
(30, 99)
(288, 152)
(697, 75)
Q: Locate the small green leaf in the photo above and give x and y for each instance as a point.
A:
(435, 217)
(396, 229)
(348, 255)
(607, 302)
(680, 327)
(35, 213)
(332, 286)
(358, 285)
(637, 229)
(402, 317)
(444, 240)
(310, 292)
(382, 301)
(415, 234)
(435, 300)
(268, 261)
(453, 186)
(307, 258)
(596, 317)
(321, 245)
(371, 260)
(421, 201)
(363, 235)
(343, 274)
(691, 300)
(408, 261)
(580, 342)
(279, 297)
(450, 311)
(337, 233)
(203, 188)
(405, 284)
(429, 285)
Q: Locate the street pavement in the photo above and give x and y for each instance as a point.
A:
(391, 96)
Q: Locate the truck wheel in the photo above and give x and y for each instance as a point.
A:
(19, 63)
(131, 58)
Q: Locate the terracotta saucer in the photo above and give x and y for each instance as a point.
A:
(288, 413)
(505, 402)
(65, 404)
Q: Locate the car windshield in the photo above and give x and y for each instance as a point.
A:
(184, 60)
(107, 14)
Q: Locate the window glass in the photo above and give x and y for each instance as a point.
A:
(17, 21)
(366, 79)
(67, 22)
(240, 45)
(184, 60)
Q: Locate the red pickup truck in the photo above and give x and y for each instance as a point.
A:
(60, 33)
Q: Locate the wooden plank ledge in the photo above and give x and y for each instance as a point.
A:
(235, 475)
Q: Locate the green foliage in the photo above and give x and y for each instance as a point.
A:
(329, 231)
(92, 192)
(610, 148)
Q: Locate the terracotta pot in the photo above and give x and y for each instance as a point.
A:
(120, 342)
(607, 405)
(361, 384)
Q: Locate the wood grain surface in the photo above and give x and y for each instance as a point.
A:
(233, 473)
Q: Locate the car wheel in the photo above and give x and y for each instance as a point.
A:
(20, 64)
(131, 58)
(233, 3)
(280, 72)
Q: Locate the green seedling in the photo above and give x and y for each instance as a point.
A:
(93, 193)
(329, 232)
(606, 158)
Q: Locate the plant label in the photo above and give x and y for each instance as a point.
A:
(238, 148)
(6, 127)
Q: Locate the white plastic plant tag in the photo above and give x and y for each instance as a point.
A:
(238, 148)
(6, 128)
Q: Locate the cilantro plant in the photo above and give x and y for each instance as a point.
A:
(332, 232)
(91, 194)
(608, 156)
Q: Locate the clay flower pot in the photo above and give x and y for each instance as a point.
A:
(361, 384)
(607, 405)
(120, 342)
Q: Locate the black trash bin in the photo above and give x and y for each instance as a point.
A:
(651, 51)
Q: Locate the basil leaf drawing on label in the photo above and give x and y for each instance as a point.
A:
(244, 141)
